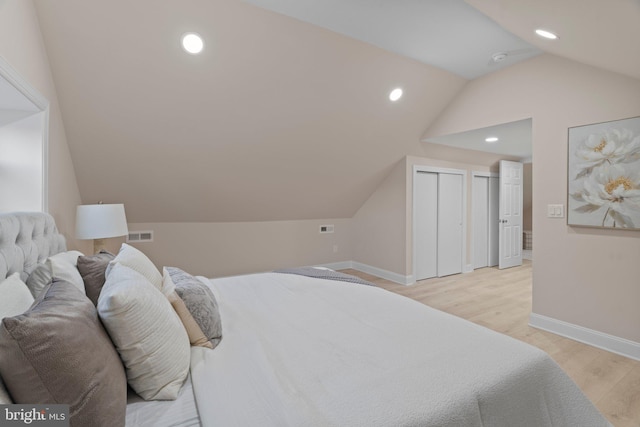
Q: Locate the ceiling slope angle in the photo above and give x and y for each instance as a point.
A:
(274, 120)
(447, 34)
(604, 34)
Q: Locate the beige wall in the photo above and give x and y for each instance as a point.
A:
(379, 235)
(21, 45)
(379, 225)
(581, 276)
(225, 249)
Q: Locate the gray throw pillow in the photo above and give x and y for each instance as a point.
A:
(58, 352)
(92, 269)
(39, 279)
(200, 302)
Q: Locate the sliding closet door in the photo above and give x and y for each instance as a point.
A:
(449, 224)
(426, 224)
(480, 206)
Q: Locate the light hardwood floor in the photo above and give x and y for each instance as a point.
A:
(501, 300)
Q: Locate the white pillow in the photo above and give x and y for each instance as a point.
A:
(167, 284)
(136, 260)
(15, 296)
(146, 332)
(64, 266)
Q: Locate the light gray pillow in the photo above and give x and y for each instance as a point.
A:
(200, 301)
(39, 279)
(58, 352)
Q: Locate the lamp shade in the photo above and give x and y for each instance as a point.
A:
(100, 221)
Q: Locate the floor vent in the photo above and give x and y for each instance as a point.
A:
(140, 236)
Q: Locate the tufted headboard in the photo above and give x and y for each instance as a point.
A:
(26, 239)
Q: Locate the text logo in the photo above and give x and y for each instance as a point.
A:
(34, 415)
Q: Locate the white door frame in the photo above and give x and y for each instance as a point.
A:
(473, 217)
(422, 168)
(8, 73)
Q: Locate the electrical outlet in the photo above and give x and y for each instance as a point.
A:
(335, 248)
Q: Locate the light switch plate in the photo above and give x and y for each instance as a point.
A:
(555, 211)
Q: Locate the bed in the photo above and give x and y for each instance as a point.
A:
(308, 351)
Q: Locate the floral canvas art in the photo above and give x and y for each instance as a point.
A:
(604, 175)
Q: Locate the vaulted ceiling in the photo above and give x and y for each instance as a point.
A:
(277, 119)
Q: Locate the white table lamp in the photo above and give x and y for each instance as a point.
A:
(99, 222)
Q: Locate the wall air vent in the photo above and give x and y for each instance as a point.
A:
(326, 229)
(140, 236)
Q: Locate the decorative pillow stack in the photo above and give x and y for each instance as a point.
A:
(97, 323)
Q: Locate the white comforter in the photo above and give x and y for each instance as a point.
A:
(298, 351)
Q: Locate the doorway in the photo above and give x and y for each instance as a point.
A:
(485, 188)
(24, 116)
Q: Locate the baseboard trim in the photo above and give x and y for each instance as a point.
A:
(384, 274)
(341, 265)
(374, 271)
(621, 346)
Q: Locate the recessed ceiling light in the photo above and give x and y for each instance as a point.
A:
(192, 43)
(395, 94)
(492, 139)
(546, 34)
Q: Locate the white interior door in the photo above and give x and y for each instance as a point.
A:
(450, 192)
(510, 229)
(480, 200)
(494, 218)
(426, 224)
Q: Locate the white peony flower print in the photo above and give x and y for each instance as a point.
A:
(611, 146)
(615, 188)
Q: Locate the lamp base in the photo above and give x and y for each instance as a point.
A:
(98, 245)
